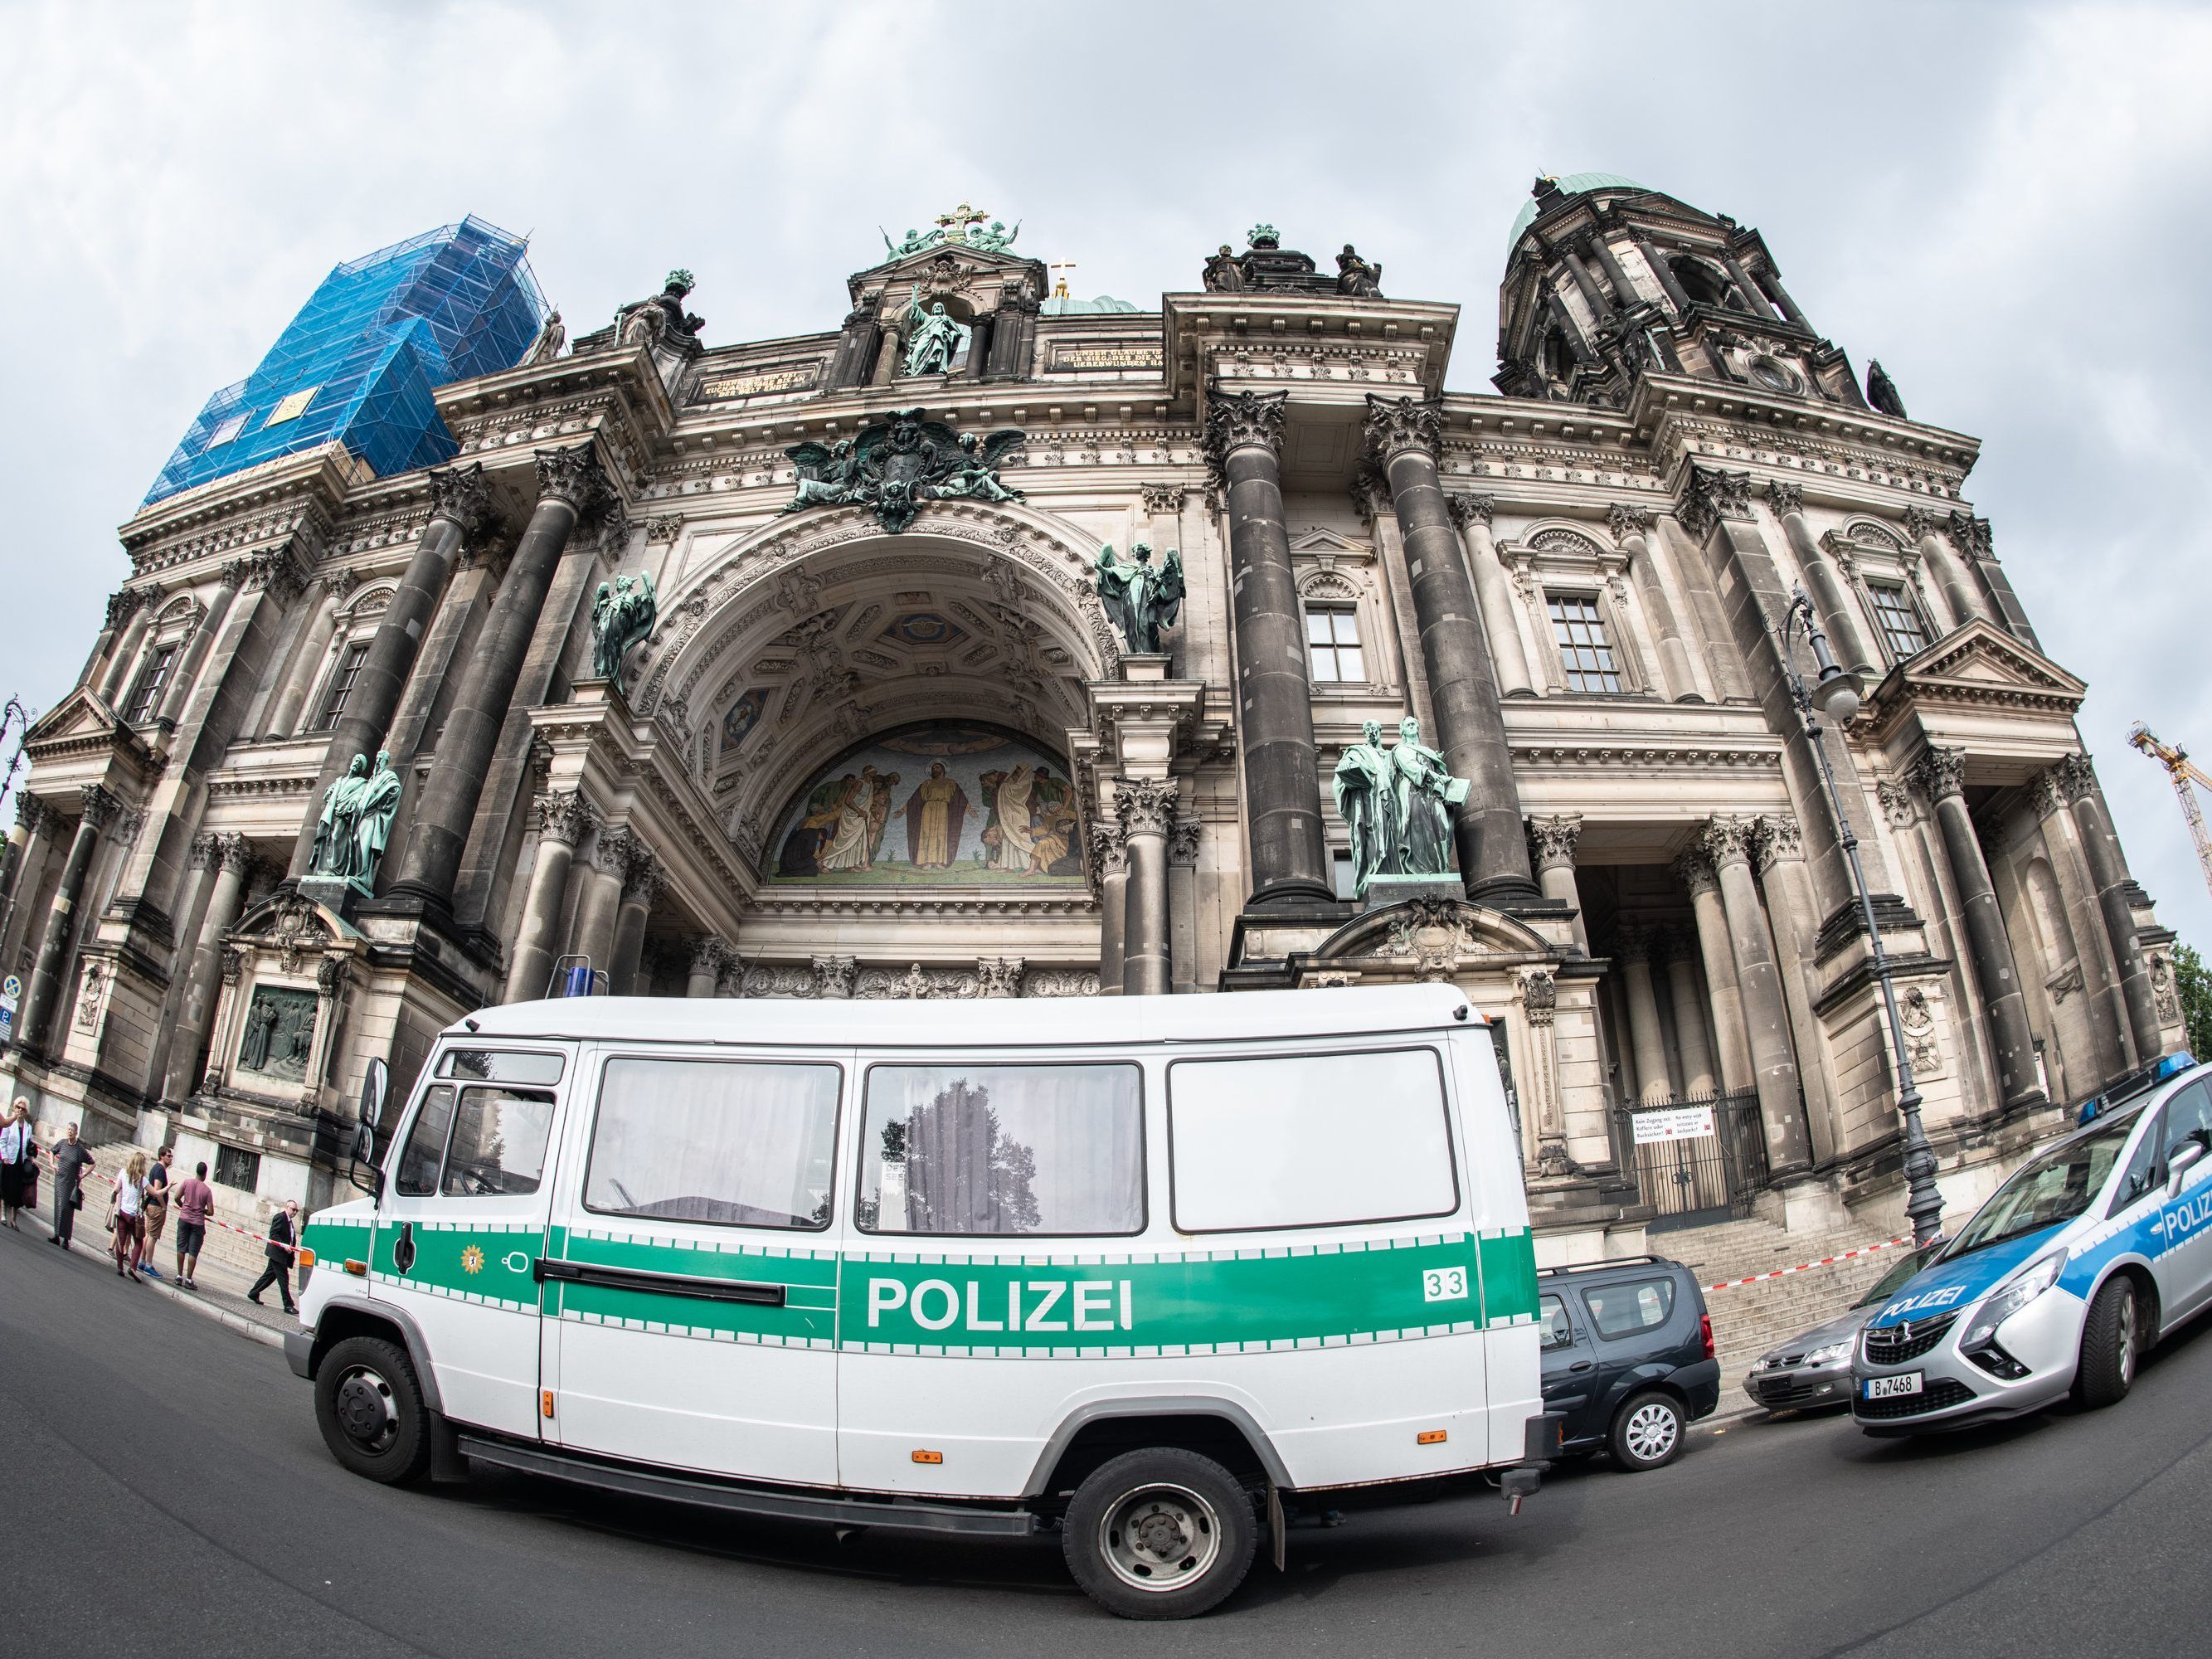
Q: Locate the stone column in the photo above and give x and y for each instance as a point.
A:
(1664, 272)
(1972, 537)
(1551, 848)
(598, 909)
(1925, 531)
(1109, 853)
(1690, 1017)
(37, 1006)
(185, 674)
(1274, 698)
(1696, 872)
(1629, 526)
(1766, 1010)
(561, 820)
(1653, 1086)
(1795, 918)
(2115, 890)
(1837, 613)
(641, 885)
(1145, 807)
(1753, 300)
(710, 956)
(1941, 777)
(1493, 591)
(460, 506)
(1403, 435)
(234, 858)
(569, 484)
(1182, 905)
(130, 611)
(283, 719)
(2110, 1028)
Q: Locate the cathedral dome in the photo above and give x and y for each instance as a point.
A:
(1571, 183)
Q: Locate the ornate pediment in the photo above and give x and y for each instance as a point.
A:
(1978, 664)
(80, 726)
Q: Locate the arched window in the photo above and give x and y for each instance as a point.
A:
(1699, 280)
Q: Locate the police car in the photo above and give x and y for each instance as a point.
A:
(2094, 1249)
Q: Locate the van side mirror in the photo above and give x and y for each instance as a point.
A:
(374, 1088)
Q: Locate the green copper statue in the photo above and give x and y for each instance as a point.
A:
(375, 809)
(334, 850)
(1397, 804)
(933, 338)
(1140, 600)
(623, 613)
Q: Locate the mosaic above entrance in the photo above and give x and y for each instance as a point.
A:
(943, 803)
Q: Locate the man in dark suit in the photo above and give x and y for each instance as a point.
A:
(283, 1236)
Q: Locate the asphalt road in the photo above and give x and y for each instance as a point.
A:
(163, 1489)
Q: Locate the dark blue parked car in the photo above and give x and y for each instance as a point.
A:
(1628, 1356)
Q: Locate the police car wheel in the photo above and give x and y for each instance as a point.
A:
(2111, 1337)
(1647, 1433)
(370, 1409)
(1159, 1533)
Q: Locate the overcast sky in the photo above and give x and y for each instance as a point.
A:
(2005, 203)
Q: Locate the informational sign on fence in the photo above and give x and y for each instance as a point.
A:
(1674, 1123)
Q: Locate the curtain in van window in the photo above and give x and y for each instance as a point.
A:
(1003, 1150)
(717, 1141)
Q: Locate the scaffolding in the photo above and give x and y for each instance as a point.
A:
(359, 364)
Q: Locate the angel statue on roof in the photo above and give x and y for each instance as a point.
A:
(1140, 599)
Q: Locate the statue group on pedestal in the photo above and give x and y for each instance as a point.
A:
(356, 824)
(1139, 599)
(1398, 804)
(623, 613)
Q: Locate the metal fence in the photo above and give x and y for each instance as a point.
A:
(1699, 1160)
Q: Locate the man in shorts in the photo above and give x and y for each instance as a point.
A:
(156, 1212)
(195, 1204)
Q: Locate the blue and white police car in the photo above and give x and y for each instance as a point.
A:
(2094, 1249)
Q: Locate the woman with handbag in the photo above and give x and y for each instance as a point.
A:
(18, 1164)
(72, 1164)
(128, 1218)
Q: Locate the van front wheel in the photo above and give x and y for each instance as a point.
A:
(370, 1409)
(1159, 1533)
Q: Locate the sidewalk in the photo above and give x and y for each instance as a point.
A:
(222, 1292)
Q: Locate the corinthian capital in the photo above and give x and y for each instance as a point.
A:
(99, 806)
(1110, 849)
(1396, 424)
(1625, 520)
(1940, 772)
(1920, 523)
(564, 817)
(2077, 777)
(1466, 510)
(1784, 497)
(1731, 840)
(1695, 872)
(459, 494)
(573, 476)
(1243, 420)
(1970, 535)
(1145, 805)
(234, 854)
(1552, 841)
(1709, 495)
(1780, 837)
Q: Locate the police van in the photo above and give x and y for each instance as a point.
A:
(1153, 1273)
(2092, 1251)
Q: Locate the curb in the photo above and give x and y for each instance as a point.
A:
(206, 1309)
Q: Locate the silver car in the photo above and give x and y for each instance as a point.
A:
(1814, 1367)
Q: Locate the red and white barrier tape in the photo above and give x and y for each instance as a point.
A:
(1807, 1267)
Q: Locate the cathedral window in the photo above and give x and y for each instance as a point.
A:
(1899, 618)
(152, 680)
(341, 685)
(1333, 647)
(1699, 280)
(1586, 655)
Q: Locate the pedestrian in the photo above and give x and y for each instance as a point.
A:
(72, 1164)
(283, 1230)
(128, 1220)
(157, 1209)
(19, 1163)
(195, 1203)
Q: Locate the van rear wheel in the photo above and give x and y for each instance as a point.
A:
(370, 1409)
(1159, 1533)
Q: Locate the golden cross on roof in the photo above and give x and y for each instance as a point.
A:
(962, 216)
(1058, 278)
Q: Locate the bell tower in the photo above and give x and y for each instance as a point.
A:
(1606, 280)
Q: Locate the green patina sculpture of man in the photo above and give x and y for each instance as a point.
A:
(378, 803)
(1367, 800)
(334, 849)
(932, 338)
(1426, 794)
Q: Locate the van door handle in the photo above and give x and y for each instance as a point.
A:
(1582, 1365)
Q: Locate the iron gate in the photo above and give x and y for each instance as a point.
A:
(1699, 1160)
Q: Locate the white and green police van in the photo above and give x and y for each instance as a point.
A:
(1146, 1271)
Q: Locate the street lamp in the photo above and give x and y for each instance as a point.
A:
(1837, 694)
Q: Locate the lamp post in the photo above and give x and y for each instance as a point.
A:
(1836, 694)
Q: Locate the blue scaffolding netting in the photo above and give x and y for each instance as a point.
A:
(357, 365)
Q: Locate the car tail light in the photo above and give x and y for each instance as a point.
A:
(1705, 1333)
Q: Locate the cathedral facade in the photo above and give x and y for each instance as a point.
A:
(788, 669)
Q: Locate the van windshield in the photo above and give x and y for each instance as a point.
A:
(2054, 1187)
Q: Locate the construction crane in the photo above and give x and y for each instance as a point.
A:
(2187, 779)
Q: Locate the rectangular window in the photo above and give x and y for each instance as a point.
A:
(1585, 653)
(1552, 1316)
(152, 680)
(492, 1144)
(236, 1167)
(293, 405)
(1624, 1309)
(1332, 645)
(500, 1065)
(226, 432)
(1003, 1151)
(426, 1145)
(1310, 1140)
(715, 1141)
(1899, 620)
(342, 685)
